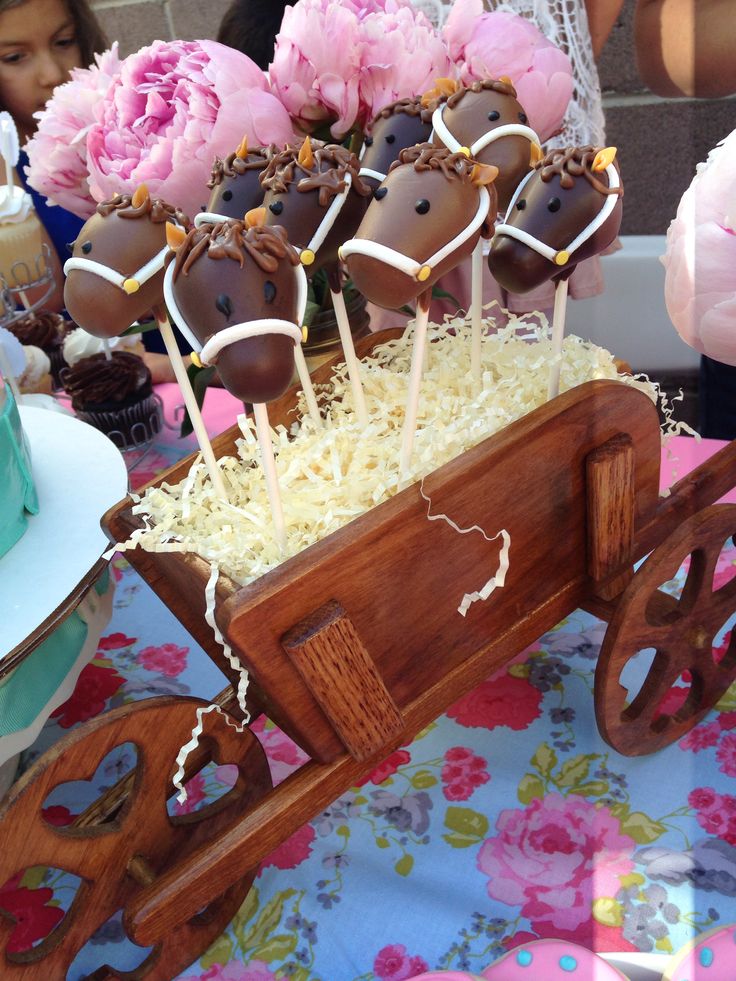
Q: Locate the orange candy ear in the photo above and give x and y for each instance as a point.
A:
(603, 158)
(443, 88)
(483, 174)
(242, 151)
(175, 236)
(537, 154)
(255, 217)
(506, 80)
(306, 157)
(140, 196)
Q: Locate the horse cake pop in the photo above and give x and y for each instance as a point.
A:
(235, 183)
(567, 209)
(486, 121)
(233, 293)
(115, 274)
(396, 127)
(427, 216)
(316, 193)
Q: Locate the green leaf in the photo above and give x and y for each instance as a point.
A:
(520, 670)
(728, 702)
(143, 328)
(310, 312)
(247, 911)
(382, 842)
(467, 822)
(573, 772)
(404, 865)
(460, 841)
(200, 378)
(423, 780)
(343, 831)
(33, 877)
(300, 974)
(277, 948)
(530, 788)
(219, 952)
(425, 731)
(642, 828)
(268, 921)
(608, 911)
(619, 810)
(596, 788)
(439, 294)
(544, 760)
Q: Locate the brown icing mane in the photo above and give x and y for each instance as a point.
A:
(153, 208)
(235, 166)
(409, 107)
(233, 239)
(572, 162)
(332, 164)
(427, 156)
(485, 84)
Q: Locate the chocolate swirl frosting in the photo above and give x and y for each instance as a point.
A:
(97, 380)
(409, 107)
(235, 166)
(153, 208)
(233, 239)
(484, 85)
(572, 162)
(43, 329)
(427, 156)
(332, 163)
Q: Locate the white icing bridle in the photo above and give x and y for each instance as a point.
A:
(309, 254)
(490, 136)
(209, 217)
(560, 256)
(237, 332)
(128, 284)
(420, 271)
(367, 172)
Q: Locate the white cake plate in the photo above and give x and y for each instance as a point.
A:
(79, 474)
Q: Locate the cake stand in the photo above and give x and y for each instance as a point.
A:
(51, 573)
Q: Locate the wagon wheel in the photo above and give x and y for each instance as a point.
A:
(135, 844)
(681, 632)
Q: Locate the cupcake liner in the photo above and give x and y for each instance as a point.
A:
(131, 427)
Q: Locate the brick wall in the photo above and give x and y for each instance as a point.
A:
(660, 140)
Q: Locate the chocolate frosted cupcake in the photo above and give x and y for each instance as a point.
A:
(115, 396)
(46, 330)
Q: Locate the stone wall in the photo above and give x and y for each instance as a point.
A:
(660, 140)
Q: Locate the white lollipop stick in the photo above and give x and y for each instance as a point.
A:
(558, 335)
(415, 380)
(476, 310)
(346, 338)
(306, 382)
(191, 403)
(107, 349)
(263, 431)
(9, 148)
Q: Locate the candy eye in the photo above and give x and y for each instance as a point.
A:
(276, 207)
(269, 291)
(521, 204)
(380, 192)
(227, 195)
(86, 247)
(203, 207)
(523, 118)
(422, 206)
(70, 247)
(554, 204)
(223, 303)
(391, 138)
(368, 141)
(493, 115)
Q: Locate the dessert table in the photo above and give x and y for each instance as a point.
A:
(506, 819)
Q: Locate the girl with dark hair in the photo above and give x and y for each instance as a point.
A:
(40, 42)
(251, 26)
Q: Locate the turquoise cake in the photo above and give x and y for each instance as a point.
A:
(17, 491)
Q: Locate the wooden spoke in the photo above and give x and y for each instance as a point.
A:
(681, 631)
(122, 853)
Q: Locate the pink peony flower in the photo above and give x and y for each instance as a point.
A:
(386, 768)
(293, 851)
(392, 963)
(338, 64)
(173, 106)
(700, 258)
(57, 152)
(284, 756)
(726, 754)
(169, 659)
(488, 45)
(701, 737)
(196, 793)
(501, 701)
(553, 858)
(234, 971)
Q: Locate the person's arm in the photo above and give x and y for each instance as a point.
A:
(687, 47)
(602, 16)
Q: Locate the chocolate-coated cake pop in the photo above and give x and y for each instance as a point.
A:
(396, 127)
(568, 209)
(235, 183)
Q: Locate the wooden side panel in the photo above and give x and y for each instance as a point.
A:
(611, 505)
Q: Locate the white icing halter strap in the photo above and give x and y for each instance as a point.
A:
(367, 172)
(420, 271)
(560, 256)
(237, 332)
(490, 136)
(309, 254)
(129, 284)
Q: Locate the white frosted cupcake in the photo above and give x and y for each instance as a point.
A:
(36, 376)
(78, 344)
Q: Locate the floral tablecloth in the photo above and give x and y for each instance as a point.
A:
(507, 819)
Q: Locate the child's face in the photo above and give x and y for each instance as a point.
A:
(38, 48)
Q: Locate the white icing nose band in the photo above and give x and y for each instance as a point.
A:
(236, 332)
(541, 247)
(325, 226)
(405, 263)
(141, 276)
(209, 217)
(375, 174)
(490, 136)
